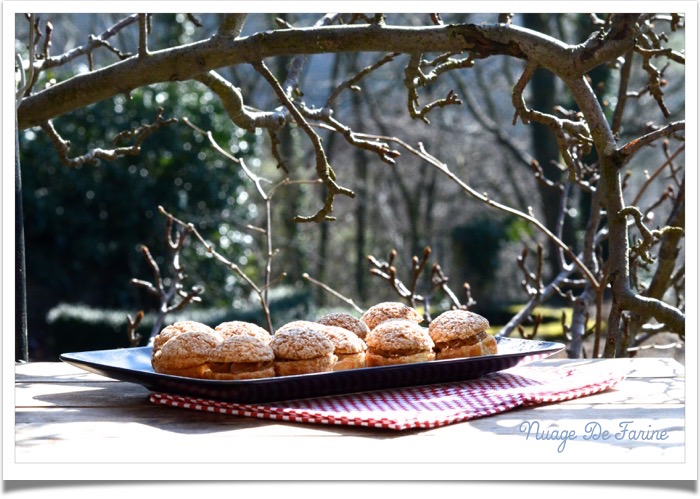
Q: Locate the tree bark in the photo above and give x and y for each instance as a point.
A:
(186, 61)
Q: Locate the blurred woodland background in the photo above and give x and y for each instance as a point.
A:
(85, 225)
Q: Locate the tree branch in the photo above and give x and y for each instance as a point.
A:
(606, 44)
(382, 149)
(232, 99)
(625, 73)
(484, 198)
(92, 157)
(484, 120)
(232, 25)
(415, 78)
(648, 236)
(351, 83)
(627, 151)
(143, 35)
(28, 77)
(93, 43)
(652, 177)
(567, 132)
(186, 61)
(332, 291)
(168, 297)
(323, 169)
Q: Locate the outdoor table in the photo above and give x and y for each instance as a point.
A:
(66, 415)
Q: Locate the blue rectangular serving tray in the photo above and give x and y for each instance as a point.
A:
(133, 365)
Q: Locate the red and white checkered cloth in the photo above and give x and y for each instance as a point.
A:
(427, 406)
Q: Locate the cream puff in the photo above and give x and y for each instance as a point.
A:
(398, 341)
(241, 357)
(298, 324)
(346, 321)
(460, 333)
(386, 311)
(177, 329)
(186, 354)
(300, 350)
(240, 328)
(349, 349)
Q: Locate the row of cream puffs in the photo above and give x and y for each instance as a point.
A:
(388, 333)
(241, 350)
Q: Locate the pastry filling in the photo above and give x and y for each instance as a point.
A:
(284, 361)
(463, 342)
(239, 367)
(398, 353)
(323, 360)
(342, 356)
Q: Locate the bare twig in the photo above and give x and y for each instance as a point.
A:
(232, 25)
(324, 115)
(48, 29)
(625, 73)
(387, 271)
(93, 43)
(536, 321)
(351, 83)
(323, 169)
(438, 280)
(648, 236)
(415, 78)
(174, 297)
(143, 35)
(532, 282)
(649, 46)
(92, 157)
(133, 336)
(332, 291)
(484, 198)
(436, 19)
(219, 257)
(409, 292)
(28, 77)
(34, 36)
(263, 291)
(627, 151)
(567, 132)
(194, 20)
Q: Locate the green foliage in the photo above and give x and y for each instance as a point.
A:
(516, 229)
(84, 224)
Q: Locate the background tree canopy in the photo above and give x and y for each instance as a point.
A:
(85, 224)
